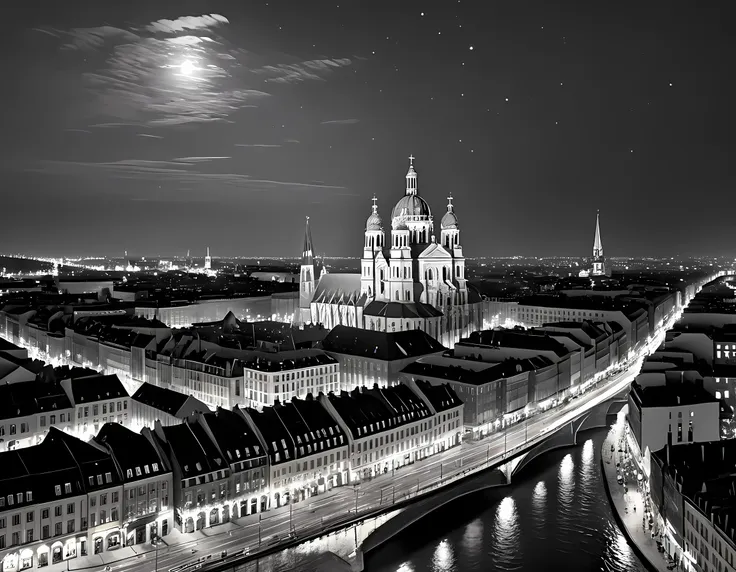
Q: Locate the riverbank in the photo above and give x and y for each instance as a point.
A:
(628, 506)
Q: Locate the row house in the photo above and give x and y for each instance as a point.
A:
(151, 403)
(552, 380)
(307, 448)
(226, 377)
(148, 503)
(201, 475)
(96, 400)
(537, 311)
(390, 427)
(493, 394)
(245, 454)
(448, 424)
(693, 494)
(29, 410)
(56, 499)
(369, 357)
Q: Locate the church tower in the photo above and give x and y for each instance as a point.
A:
(306, 277)
(450, 240)
(373, 264)
(208, 260)
(410, 224)
(599, 263)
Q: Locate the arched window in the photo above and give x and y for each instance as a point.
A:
(444, 273)
(397, 295)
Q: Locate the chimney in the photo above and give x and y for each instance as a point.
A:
(702, 452)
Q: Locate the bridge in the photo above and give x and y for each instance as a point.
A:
(498, 473)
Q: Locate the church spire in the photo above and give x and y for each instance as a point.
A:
(597, 244)
(411, 178)
(308, 254)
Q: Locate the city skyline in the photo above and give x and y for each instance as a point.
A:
(223, 123)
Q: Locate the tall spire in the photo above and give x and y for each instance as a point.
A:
(597, 244)
(308, 254)
(450, 206)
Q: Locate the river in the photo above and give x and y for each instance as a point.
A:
(556, 516)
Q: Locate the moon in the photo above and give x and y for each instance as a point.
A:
(187, 67)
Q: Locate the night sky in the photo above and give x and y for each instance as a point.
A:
(160, 127)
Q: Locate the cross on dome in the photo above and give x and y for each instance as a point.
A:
(411, 160)
(449, 203)
(375, 203)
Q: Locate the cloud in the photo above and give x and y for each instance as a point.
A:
(198, 159)
(256, 145)
(292, 141)
(95, 38)
(340, 122)
(179, 71)
(149, 135)
(78, 130)
(187, 23)
(177, 174)
(309, 70)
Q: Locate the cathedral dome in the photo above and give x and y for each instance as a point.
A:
(374, 222)
(411, 205)
(449, 221)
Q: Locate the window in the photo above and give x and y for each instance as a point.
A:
(57, 510)
(69, 526)
(57, 529)
(45, 513)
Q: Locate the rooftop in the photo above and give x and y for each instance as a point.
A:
(671, 394)
(385, 346)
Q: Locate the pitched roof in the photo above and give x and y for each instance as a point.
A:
(233, 435)
(401, 310)
(30, 397)
(521, 339)
(100, 388)
(135, 455)
(385, 346)
(339, 289)
(193, 450)
(442, 397)
(164, 399)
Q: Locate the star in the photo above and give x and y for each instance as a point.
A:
(507, 99)
(422, 14)
(670, 85)
(471, 48)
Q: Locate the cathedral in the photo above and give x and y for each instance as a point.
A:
(408, 279)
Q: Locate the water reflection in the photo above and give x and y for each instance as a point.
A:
(554, 517)
(566, 481)
(506, 532)
(473, 541)
(405, 567)
(539, 507)
(443, 559)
